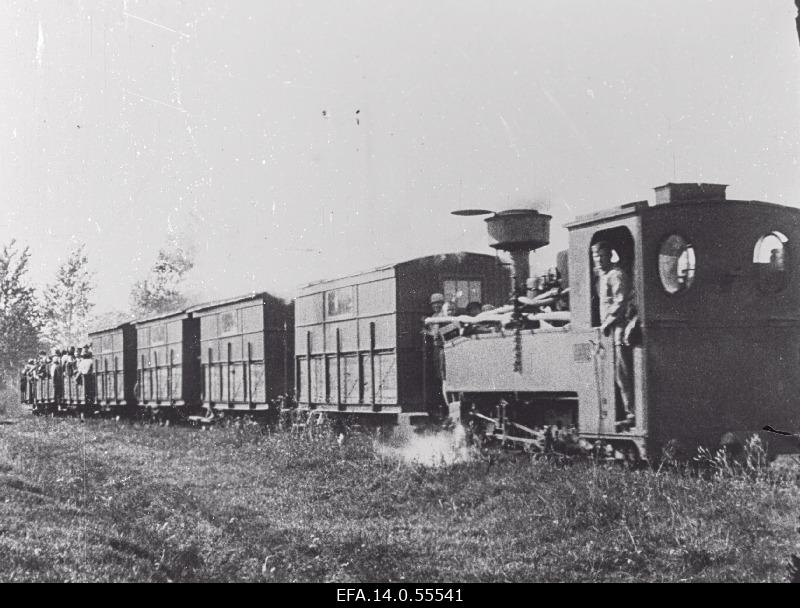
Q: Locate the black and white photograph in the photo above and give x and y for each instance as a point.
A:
(399, 296)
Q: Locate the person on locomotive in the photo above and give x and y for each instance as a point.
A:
(615, 295)
(437, 301)
(474, 309)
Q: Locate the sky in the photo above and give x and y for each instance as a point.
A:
(287, 142)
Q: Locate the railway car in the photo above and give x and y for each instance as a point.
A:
(359, 341)
(115, 367)
(168, 363)
(717, 287)
(247, 352)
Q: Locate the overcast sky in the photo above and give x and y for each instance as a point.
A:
(292, 141)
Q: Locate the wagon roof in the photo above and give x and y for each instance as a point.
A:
(255, 295)
(163, 315)
(397, 264)
(106, 328)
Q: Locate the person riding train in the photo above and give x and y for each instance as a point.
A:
(616, 297)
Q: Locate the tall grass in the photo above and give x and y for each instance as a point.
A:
(103, 500)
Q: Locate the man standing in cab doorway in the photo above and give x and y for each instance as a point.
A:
(615, 295)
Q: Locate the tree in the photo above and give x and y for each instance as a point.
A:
(19, 313)
(66, 305)
(161, 290)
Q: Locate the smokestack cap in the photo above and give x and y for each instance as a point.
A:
(518, 230)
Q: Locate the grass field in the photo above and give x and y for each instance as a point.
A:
(108, 501)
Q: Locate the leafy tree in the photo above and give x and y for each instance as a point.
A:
(161, 290)
(66, 305)
(19, 313)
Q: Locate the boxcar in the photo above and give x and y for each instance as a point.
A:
(115, 365)
(246, 350)
(168, 361)
(358, 339)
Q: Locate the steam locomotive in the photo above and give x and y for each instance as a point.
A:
(717, 298)
(717, 293)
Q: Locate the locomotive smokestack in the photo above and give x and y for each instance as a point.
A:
(519, 231)
(521, 269)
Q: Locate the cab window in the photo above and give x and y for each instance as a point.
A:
(676, 264)
(769, 258)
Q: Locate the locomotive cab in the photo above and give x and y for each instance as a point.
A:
(717, 300)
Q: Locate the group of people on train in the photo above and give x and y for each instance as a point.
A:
(546, 293)
(72, 364)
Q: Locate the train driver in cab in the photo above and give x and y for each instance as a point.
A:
(615, 294)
